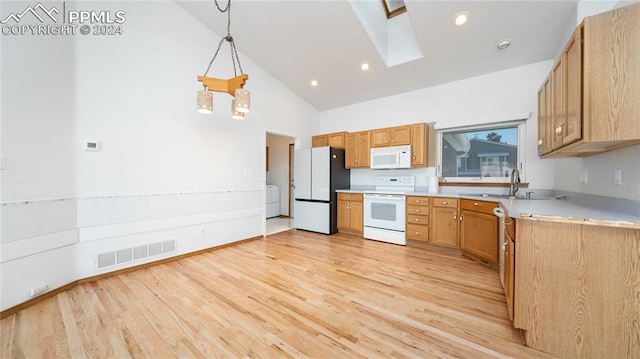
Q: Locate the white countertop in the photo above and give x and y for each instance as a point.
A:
(572, 208)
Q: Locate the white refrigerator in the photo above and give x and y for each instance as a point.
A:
(318, 173)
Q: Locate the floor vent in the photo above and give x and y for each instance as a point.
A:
(108, 259)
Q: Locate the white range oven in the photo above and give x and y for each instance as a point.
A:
(385, 209)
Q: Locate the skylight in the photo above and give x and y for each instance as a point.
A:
(393, 7)
(392, 35)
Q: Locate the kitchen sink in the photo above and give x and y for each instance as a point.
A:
(505, 196)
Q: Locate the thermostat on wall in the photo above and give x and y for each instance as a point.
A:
(91, 146)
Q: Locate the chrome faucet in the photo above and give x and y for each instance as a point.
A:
(515, 179)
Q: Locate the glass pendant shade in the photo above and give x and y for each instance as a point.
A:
(242, 101)
(205, 101)
(236, 115)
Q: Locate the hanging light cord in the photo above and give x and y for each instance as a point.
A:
(229, 38)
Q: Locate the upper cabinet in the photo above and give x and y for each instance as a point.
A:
(357, 145)
(392, 136)
(590, 104)
(357, 149)
(336, 139)
(419, 148)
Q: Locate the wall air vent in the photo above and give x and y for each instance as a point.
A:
(108, 259)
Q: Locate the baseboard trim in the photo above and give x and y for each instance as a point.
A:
(52, 293)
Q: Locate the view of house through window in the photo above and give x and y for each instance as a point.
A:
(480, 153)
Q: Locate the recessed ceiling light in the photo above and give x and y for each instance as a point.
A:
(364, 66)
(314, 83)
(460, 18)
(503, 44)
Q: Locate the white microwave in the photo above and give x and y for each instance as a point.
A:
(391, 157)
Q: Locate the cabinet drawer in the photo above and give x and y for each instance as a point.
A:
(418, 200)
(417, 232)
(417, 219)
(357, 197)
(478, 206)
(445, 202)
(417, 209)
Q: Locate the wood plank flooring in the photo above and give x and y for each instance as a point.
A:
(294, 294)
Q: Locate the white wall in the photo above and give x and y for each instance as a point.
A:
(165, 172)
(278, 173)
(488, 97)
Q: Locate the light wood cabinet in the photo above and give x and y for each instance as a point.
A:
(418, 218)
(350, 218)
(357, 149)
(336, 139)
(545, 118)
(594, 84)
(392, 136)
(444, 222)
(509, 262)
(576, 287)
(557, 103)
(419, 147)
(479, 229)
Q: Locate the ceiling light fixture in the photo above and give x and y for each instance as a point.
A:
(460, 18)
(364, 66)
(503, 44)
(314, 83)
(233, 86)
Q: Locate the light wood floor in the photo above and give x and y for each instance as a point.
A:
(293, 294)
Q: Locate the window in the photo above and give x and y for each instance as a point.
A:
(393, 7)
(481, 153)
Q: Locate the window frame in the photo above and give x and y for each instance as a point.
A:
(521, 152)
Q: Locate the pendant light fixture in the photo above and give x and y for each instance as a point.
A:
(241, 104)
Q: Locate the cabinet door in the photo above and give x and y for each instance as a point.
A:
(336, 139)
(355, 217)
(558, 110)
(611, 80)
(364, 149)
(319, 141)
(351, 150)
(419, 134)
(400, 135)
(343, 215)
(572, 130)
(509, 270)
(380, 137)
(479, 234)
(444, 226)
(544, 118)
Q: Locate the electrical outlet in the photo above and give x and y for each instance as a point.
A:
(38, 289)
(617, 177)
(584, 177)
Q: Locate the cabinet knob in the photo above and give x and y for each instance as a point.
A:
(454, 217)
(417, 233)
(539, 142)
(477, 204)
(445, 202)
(417, 210)
(417, 219)
(559, 130)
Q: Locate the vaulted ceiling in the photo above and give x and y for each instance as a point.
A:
(297, 41)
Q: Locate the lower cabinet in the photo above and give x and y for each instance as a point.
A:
(418, 218)
(479, 229)
(350, 213)
(509, 263)
(444, 222)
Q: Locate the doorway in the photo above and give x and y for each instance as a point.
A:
(279, 177)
